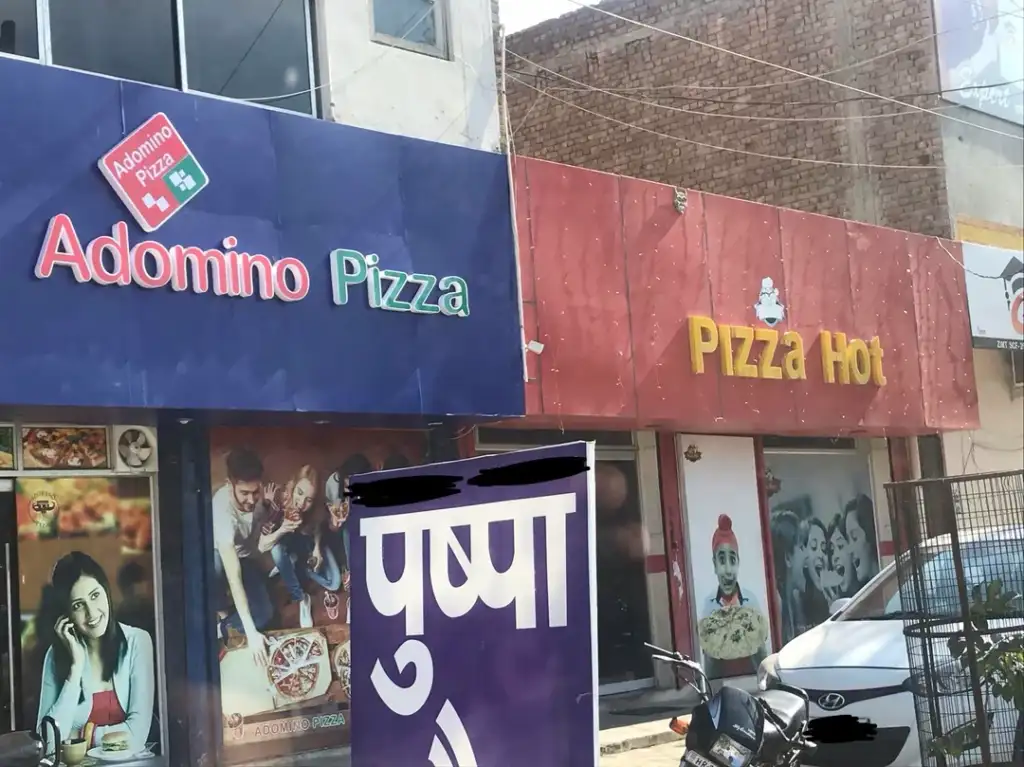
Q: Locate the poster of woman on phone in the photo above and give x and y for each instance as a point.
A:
(88, 664)
(281, 562)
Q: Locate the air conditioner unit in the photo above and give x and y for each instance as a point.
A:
(134, 449)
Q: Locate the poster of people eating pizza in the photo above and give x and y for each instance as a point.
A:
(281, 563)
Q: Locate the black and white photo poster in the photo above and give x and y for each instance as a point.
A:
(823, 532)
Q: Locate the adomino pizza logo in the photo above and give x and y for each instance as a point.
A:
(154, 172)
(1013, 285)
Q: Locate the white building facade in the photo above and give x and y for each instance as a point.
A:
(419, 68)
(981, 61)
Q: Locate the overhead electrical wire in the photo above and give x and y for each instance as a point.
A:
(586, 87)
(747, 152)
(790, 70)
(742, 101)
(844, 68)
(684, 86)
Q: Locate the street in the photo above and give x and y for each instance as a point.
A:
(667, 755)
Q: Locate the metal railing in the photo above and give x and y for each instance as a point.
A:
(960, 568)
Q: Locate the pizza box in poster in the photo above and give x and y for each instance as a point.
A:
(300, 666)
(299, 661)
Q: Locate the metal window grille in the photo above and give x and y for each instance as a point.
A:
(960, 544)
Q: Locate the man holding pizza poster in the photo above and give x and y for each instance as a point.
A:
(732, 626)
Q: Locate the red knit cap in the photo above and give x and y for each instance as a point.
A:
(724, 534)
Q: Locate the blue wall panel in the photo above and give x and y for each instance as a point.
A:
(284, 185)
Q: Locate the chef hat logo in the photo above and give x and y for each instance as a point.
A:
(769, 309)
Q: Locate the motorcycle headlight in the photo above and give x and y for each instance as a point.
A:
(768, 672)
(729, 752)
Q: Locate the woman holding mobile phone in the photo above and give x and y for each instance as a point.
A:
(97, 670)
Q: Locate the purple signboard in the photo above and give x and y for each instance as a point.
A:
(473, 626)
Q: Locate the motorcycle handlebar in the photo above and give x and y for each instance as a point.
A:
(668, 656)
(678, 659)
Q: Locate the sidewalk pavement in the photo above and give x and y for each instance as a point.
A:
(667, 755)
(632, 737)
(648, 744)
(631, 723)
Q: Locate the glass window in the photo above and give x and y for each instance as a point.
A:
(130, 39)
(417, 24)
(983, 563)
(541, 437)
(809, 443)
(623, 619)
(623, 615)
(256, 50)
(19, 33)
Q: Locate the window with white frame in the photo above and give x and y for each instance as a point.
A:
(259, 51)
(19, 29)
(419, 25)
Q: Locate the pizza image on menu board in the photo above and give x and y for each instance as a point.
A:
(6, 447)
(65, 447)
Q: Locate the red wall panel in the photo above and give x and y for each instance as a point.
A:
(743, 249)
(524, 232)
(882, 301)
(580, 283)
(818, 278)
(947, 359)
(617, 271)
(666, 268)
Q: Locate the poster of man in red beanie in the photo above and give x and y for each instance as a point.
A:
(732, 626)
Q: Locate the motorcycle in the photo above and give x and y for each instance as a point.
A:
(733, 728)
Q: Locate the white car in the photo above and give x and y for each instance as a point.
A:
(856, 663)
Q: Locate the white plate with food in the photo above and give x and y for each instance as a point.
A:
(118, 757)
(114, 748)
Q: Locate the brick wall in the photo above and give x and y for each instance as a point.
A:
(815, 36)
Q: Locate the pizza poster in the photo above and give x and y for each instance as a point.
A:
(283, 572)
(726, 553)
(474, 622)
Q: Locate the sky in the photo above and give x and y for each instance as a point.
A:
(520, 14)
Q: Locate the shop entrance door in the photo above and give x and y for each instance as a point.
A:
(10, 615)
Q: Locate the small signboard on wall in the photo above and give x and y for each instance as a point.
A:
(995, 296)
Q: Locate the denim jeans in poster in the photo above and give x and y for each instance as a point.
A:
(291, 555)
(255, 584)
